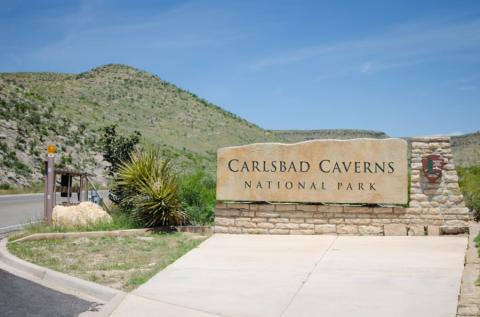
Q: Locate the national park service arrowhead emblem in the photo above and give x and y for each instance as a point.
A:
(433, 167)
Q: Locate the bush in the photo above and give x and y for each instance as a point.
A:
(469, 181)
(197, 193)
(149, 190)
(116, 149)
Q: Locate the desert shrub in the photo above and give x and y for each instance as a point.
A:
(469, 181)
(150, 189)
(197, 195)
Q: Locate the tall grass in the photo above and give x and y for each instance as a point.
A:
(469, 181)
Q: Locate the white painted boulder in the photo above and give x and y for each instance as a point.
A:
(81, 214)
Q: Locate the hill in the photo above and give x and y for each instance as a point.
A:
(71, 109)
(304, 135)
(466, 149)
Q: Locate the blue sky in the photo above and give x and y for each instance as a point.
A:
(404, 67)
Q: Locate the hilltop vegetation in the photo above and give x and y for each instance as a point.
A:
(466, 149)
(71, 110)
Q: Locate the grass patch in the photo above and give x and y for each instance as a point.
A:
(119, 222)
(477, 244)
(469, 181)
(119, 262)
(6, 189)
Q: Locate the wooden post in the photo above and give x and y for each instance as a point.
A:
(50, 184)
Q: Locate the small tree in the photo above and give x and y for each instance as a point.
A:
(116, 149)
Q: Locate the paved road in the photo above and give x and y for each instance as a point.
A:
(22, 298)
(24, 208)
(295, 276)
(19, 209)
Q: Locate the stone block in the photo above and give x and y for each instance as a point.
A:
(296, 220)
(302, 207)
(220, 205)
(220, 229)
(360, 221)
(334, 209)
(306, 226)
(416, 230)
(264, 207)
(318, 221)
(359, 209)
(224, 221)
(394, 230)
(279, 231)
(267, 214)
(287, 225)
(247, 213)
(382, 210)
(433, 230)
(237, 206)
(347, 229)
(275, 220)
(370, 230)
(266, 225)
(234, 230)
(302, 231)
(453, 229)
(245, 223)
(400, 210)
(254, 230)
(336, 220)
(325, 228)
(285, 207)
(227, 212)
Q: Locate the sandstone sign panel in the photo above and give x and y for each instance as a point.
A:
(319, 171)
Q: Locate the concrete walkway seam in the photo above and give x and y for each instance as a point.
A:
(101, 293)
(308, 275)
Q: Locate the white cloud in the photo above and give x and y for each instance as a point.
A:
(404, 45)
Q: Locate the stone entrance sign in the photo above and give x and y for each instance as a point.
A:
(372, 171)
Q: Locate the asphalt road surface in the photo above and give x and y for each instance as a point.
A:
(25, 208)
(20, 209)
(22, 298)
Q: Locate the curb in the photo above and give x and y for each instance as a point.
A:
(112, 233)
(63, 282)
(469, 296)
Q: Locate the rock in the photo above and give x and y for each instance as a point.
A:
(395, 230)
(81, 214)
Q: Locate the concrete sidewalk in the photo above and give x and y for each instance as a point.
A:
(272, 275)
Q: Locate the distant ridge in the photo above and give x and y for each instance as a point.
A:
(303, 135)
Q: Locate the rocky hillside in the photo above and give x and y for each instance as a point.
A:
(304, 135)
(466, 149)
(71, 109)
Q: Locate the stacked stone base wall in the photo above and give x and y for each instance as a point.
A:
(254, 218)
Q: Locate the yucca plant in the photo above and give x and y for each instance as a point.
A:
(150, 189)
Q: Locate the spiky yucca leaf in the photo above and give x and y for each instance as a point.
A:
(151, 189)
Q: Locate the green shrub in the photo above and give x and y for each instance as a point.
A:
(469, 181)
(150, 189)
(197, 194)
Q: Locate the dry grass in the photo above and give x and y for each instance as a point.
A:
(118, 262)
